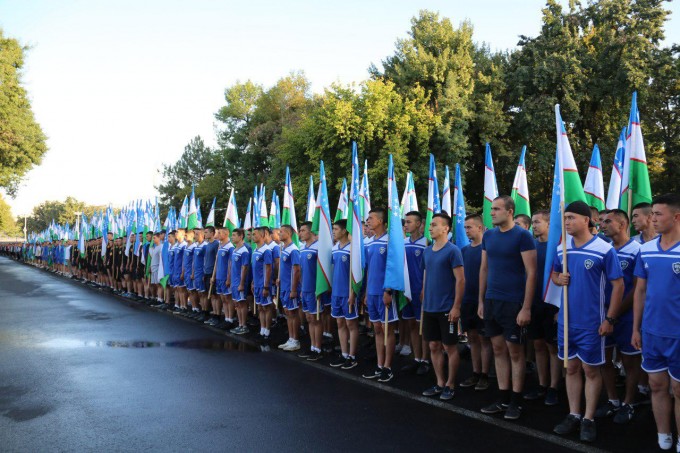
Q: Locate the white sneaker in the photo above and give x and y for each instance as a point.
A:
(666, 442)
(293, 346)
(287, 343)
(397, 348)
(405, 350)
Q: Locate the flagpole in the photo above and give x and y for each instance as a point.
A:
(565, 306)
(318, 306)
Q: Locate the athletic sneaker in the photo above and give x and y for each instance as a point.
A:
(423, 368)
(535, 394)
(349, 364)
(666, 442)
(340, 361)
(588, 430)
(494, 408)
(405, 351)
(513, 412)
(386, 375)
(567, 426)
(314, 356)
(372, 374)
(606, 410)
(470, 382)
(293, 346)
(434, 390)
(283, 345)
(551, 398)
(483, 384)
(447, 394)
(305, 354)
(624, 414)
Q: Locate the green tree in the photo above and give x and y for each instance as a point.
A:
(7, 225)
(22, 142)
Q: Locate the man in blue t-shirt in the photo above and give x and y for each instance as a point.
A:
(289, 286)
(262, 281)
(616, 226)
(187, 275)
(657, 313)
(472, 324)
(414, 246)
(641, 219)
(507, 280)
(210, 299)
(442, 296)
(348, 324)
(239, 268)
(220, 281)
(310, 304)
(543, 327)
(198, 282)
(590, 262)
(378, 299)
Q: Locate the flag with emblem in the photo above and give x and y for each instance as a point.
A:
(614, 192)
(594, 185)
(460, 214)
(210, 221)
(520, 187)
(396, 269)
(635, 186)
(343, 209)
(231, 217)
(288, 216)
(364, 194)
(433, 206)
(192, 216)
(324, 231)
(409, 201)
(311, 202)
(446, 193)
(490, 187)
(356, 247)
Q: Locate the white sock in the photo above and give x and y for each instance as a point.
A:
(665, 441)
(266, 332)
(261, 330)
(644, 389)
(576, 415)
(345, 355)
(616, 403)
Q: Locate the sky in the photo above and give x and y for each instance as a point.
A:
(120, 87)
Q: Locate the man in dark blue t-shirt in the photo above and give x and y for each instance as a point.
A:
(507, 280)
(442, 297)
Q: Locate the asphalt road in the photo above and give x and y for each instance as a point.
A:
(82, 370)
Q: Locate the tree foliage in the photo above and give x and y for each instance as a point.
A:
(61, 212)
(441, 92)
(7, 225)
(22, 142)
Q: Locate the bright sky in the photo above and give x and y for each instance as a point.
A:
(120, 87)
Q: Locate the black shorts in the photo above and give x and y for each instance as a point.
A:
(206, 283)
(543, 325)
(469, 318)
(500, 318)
(436, 327)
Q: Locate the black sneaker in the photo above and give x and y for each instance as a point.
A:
(411, 367)
(303, 354)
(588, 430)
(606, 410)
(494, 408)
(624, 414)
(340, 361)
(513, 412)
(535, 394)
(372, 374)
(470, 382)
(314, 356)
(423, 369)
(567, 426)
(349, 364)
(386, 375)
(551, 398)
(434, 390)
(483, 384)
(447, 394)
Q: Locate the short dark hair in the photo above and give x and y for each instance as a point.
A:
(415, 214)
(174, 232)
(288, 228)
(211, 229)
(604, 211)
(508, 201)
(619, 213)
(342, 223)
(672, 200)
(646, 207)
(306, 224)
(543, 213)
(476, 217)
(444, 216)
(524, 219)
(381, 213)
(240, 231)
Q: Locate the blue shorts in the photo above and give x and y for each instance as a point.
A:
(412, 309)
(340, 308)
(308, 302)
(221, 288)
(623, 331)
(376, 309)
(260, 299)
(188, 282)
(177, 281)
(587, 345)
(661, 354)
(198, 284)
(288, 303)
(236, 295)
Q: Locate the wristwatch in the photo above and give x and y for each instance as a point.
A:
(611, 320)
